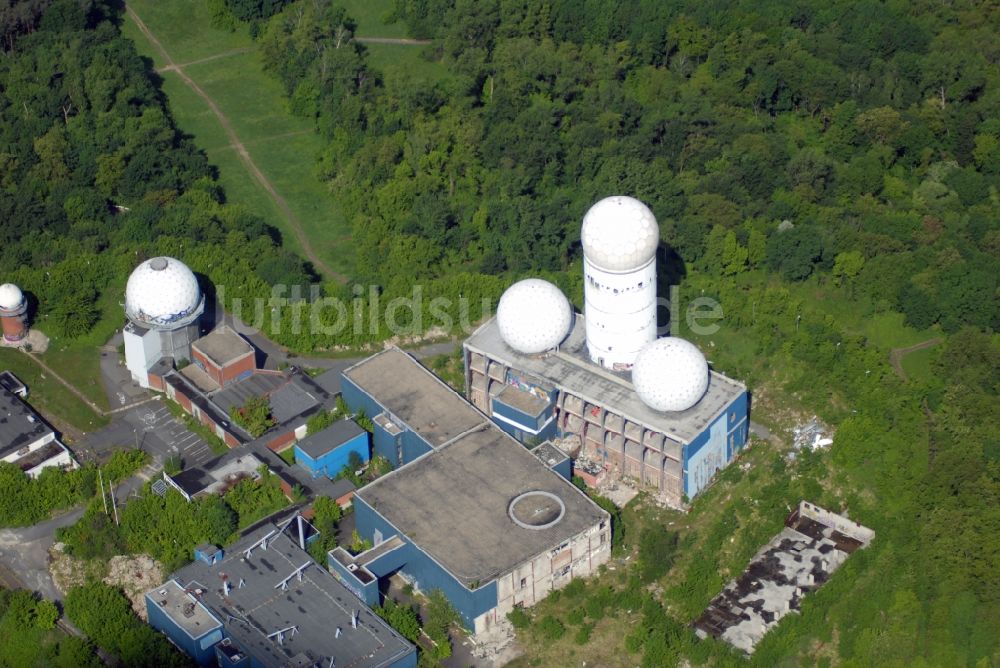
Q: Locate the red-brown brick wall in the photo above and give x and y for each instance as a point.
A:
(281, 442)
(232, 371)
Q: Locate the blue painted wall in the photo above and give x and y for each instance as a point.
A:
(386, 445)
(715, 446)
(200, 648)
(564, 468)
(366, 591)
(214, 559)
(427, 573)
(334, 461)
(399, 450)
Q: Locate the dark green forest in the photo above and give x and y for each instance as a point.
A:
(815, 166)
(806, 160)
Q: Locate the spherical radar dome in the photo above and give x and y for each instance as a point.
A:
(619, 234)
(161, 290)
(533, 316)
(670, 374)
(10, 296)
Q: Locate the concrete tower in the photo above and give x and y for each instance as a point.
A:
(620, 237)
(13, 313)
(163, 303)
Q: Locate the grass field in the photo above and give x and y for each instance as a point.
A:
(370, 15)
(49, 397)
(284, 147)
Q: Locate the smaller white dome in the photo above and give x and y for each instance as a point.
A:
(670, 375)
(160, 291)
(10, 296)
(533, 316)
(619, 234)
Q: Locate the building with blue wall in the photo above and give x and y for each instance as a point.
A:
(327, 452)
(562, 393)
(266, 603)
(413, 410)
(470, 512)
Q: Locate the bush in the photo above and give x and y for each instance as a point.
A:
(582, 636)
(105, 615)
(518, 618)
(550, 628)
(402, 618)
(657, 550)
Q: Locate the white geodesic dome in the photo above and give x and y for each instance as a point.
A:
(533, 316)
(619, 234)
(10, 296)
(670, 374)
(160, 291)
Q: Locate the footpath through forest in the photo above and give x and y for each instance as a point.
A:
(293, 221)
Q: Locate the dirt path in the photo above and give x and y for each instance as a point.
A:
(293, 221)
(393, 40)
(226, 54)
(896, 355)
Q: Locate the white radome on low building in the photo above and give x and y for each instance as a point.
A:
(10, 296)
(534, 316)
(619, 234)
(160, 291)
(670, 375)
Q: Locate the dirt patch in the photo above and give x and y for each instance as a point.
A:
(896, 355)
(133, 574)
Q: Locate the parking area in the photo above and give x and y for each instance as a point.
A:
(158, 424)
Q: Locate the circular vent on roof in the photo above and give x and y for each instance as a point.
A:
(536, 510)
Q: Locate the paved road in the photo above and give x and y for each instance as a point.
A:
(26, 552)
(152, 428)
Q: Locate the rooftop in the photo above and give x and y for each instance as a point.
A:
(522, 400)
(571, 370)
(312, 601)
(415, 395)
(549, 454)
(223, 345)
(20, 426)
(200, 378)
(216, 475)
(12, 384)
(454, 504)
(289, 395)
(319, 444)
(799, 559)
(187, 612)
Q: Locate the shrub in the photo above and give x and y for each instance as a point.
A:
(657, 550)
(551, 628)
(518, 618)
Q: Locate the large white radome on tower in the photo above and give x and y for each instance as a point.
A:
(10, 296)
(160, 291)
(619, 234)
(533, 316)
(670, 375)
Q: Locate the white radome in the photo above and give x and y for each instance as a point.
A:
(670, 375)
(534, 316)
(10, 296)
(160, 291)
(619, 234)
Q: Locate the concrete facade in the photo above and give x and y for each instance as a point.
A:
(674, 455)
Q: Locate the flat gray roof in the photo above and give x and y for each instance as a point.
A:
(571, 370)
(415, 395)
(184, 610)
(316, 605)
(289, 395)
(20, 426)
(223, 345)
(338, 433)
(453, 502)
